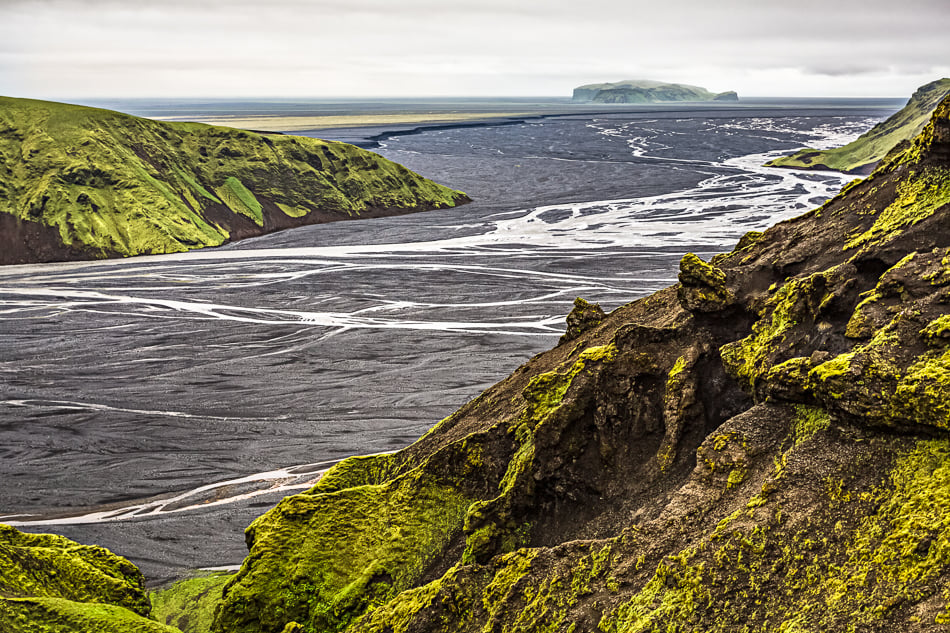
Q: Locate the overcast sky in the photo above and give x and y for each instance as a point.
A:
(366, 48)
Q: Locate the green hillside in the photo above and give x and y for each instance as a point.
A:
(79, 182)
(860, 155)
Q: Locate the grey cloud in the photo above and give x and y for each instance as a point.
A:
(531, 46)
(845, 70)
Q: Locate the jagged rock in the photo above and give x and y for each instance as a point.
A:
(702, 286)
(583, 317)
(785, 469)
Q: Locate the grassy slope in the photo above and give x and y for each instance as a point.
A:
(860, 155)
(189, 605)
(763, 447)
(109, 184)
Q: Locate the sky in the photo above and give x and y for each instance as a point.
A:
(426, 48)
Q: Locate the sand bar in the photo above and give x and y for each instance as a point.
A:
(297, 123)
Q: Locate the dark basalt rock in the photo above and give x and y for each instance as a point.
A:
(583, 317)
(702, 286)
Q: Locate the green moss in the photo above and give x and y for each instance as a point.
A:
(695, 271)
(917, 199)
(545, 391)
(57, 615)
(322, 559)
(938, 330)
(850, 569)
(860, 325)
(49, 584)
(396, 615)
(923, 391)
(488, 526)
(514, 567)
(50, 566)
(189, 605)
(355, 471)
(239, 199)
(809, 421)
(797, 302)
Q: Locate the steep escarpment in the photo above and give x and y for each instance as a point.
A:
(762, 447)
(82, 183)
(861, 155)
(49, 584)
(645, 91)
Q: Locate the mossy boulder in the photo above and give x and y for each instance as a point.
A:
(49, 584)
(702, 286)
(80, 183)
(582, 317)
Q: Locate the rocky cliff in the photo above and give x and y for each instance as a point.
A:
(82, 183)
(861, 155)
(645, 91)
(762, 447)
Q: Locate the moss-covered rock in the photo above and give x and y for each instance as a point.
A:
(582, 317)
(84, 183)
(49, 584)
(702, 286)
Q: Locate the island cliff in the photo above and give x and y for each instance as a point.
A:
(84, 183)
(862, 154)
(764, 446)
(645, 91)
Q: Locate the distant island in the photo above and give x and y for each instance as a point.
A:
(861, 155)
(85, 183)
(646, 91)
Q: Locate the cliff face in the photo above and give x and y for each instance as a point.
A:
(82, 183)
(861, 155)
(644, 91)
(762, 447)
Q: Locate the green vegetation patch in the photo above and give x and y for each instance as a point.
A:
(189, 605)
(57, 615)
(797, 302)
(871, 147)
(844, 571)
(51, 566)
(917, 198)
(322, 559)
(239, 199)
